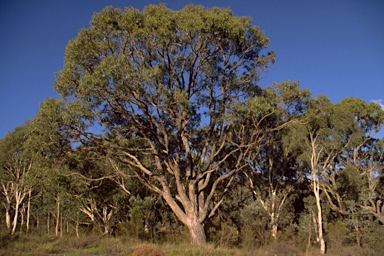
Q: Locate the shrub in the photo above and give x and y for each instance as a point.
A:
(337, 233)
(147, 251)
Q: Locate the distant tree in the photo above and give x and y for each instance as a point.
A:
(272, 173)
(91, 183)
(334, 142)
(313, 140)
(156, 90)
(49, 149)
(353, 126)
(16, 166)
(371, 197)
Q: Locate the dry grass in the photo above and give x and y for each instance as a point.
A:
(97, 245)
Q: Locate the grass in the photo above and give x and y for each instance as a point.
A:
(98, 245)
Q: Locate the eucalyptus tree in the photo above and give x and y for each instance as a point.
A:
(91, 182)
(354, 124)
(334, 141)
(155, 91)
(311, 138)
(348, 179)
(272, 173)
(371, 196)
(16, 167)
(49, 149)
(363, 155)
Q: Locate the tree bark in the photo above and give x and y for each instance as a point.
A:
(274, 231)
(28, 210)
(19, 196)
(189, 218)
(57, 216)
(196, 230)
(48, 223)
(7, 217)
(316, 191)
(77, 229)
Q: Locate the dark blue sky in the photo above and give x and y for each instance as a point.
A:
(335, 48)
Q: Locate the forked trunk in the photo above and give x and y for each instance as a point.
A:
(190, 220)
(17, 205)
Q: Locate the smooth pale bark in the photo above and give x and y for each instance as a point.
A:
(48, 223)
(28, 209)
(190, 218)
(196, 230)
(316, 191)
(272, 205)
(8, 218)
(274, 230)
(57, 216)
(320, 238)
(61, 224)
(102, 219)
(7, 204)
(77, 228)
(15, 216)
(19, 197)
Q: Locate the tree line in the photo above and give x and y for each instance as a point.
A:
(162, 125)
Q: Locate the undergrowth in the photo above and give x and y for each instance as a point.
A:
(99, 245)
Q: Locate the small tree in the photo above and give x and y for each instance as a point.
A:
(272, 172)
(313, 140)
(15, 168)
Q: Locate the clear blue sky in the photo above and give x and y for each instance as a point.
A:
(333, 47)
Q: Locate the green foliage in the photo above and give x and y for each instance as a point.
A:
(136, 222)
(337, 234)
(254, 225)
(162, 122)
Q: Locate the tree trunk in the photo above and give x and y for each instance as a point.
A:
(316, 191)
(38, 225)
(77, 229)
(196, 230)
(17, 205)
(61, 225)
(356, 226)
(28, 210)
(189, 219)
(7, 217)
(57, 216)
(48, 223)
(274, 231)
(22, 213)
(7, 205)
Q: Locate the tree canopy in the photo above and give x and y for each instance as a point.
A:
(164, 86)
(161, 114)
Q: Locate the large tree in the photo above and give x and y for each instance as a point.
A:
(156, 89)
